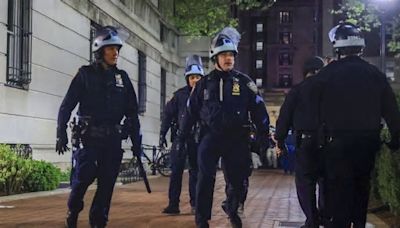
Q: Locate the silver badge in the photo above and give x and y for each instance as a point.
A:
(118, 81)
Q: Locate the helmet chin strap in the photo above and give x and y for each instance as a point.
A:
(338, 54)
(219, 66)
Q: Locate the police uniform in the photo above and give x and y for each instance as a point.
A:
(104, 97)
(174, 110)
(300, 111)
(222, 102)
(355, 96)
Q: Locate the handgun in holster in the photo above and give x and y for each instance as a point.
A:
(78, 128)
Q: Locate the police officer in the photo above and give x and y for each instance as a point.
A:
(355, 96)
(105, 95)
(222, 101)
(174, 110)
(300, 111)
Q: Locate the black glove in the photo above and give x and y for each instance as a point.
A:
(163, 142)
(62, 141)
(394, 144)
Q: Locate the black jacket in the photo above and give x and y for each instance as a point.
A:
(174, 109)
(300, 110)
(355, 96)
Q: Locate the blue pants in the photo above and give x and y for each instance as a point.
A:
(178, 162)
(243, 196)
(95, 160)
(234, 151)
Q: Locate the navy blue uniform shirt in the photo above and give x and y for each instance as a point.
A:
(240, 103)
(106, 96)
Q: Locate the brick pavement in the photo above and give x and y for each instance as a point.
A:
(271, 203)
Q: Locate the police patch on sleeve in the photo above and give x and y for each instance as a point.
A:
(252, 86)
(118, 81)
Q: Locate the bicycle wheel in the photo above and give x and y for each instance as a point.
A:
(164, 165)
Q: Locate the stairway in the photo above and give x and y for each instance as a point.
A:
(273, 100)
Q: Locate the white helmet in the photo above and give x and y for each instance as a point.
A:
(226, 40)
(106, 36)
(346, 35)
(194, 65)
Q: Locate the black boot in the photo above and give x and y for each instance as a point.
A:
(71, 220)
(202, 225)
(241, 209)
(235, 220)
(224, 207)
(97, 226)
(171, 210)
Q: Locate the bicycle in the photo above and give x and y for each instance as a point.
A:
(159, 162)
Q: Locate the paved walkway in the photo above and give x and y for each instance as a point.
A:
(272, 202)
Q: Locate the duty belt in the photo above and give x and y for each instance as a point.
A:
(104, 130)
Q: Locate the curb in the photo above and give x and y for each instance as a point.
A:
(59, 191)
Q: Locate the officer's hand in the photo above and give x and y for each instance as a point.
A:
(137, 150)
(394, 144)
(61, 143)
(280, 146)
(278, 151)
(163, 142)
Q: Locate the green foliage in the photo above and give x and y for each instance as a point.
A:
(23, 175)
(207, 17)
(43, 177)
(202, 18)
(388, 178)
(65, 175)
(394, 44)
(13, 170)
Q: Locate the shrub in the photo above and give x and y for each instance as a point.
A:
(388, 178)
(43, 177)
(65, 175)
(13, 170)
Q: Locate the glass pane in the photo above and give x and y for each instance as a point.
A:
(259, 27)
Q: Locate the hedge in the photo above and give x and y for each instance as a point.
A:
(19, 175)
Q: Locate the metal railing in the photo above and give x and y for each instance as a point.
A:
(129, 171)
(22, 150)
